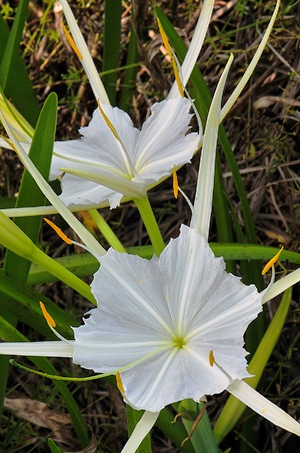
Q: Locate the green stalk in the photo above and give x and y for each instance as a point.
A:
(86, 264)
(107, 232)
(150, 223)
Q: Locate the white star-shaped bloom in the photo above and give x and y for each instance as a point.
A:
(171, 328)
(113, 160)
(161, 320)
(128, 162)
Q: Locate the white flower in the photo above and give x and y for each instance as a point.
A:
(167, 316)
(113, 159)
(172, 327)
(126, 163)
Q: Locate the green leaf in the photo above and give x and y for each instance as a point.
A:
(53, 447)
(129, 81)
(17, 297)
(202, 437)
(30, 195)
(174, 431)
(14, 78)
(111, 55)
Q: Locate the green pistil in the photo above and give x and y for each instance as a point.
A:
(179, 341)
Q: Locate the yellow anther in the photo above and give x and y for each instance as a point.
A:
(164, 38)
(211, 358)
(58, 231)
(271, 262)
(120, 383)
(48, 318)
(175, 183)
(72, 43)
(169, 50)
(109, 123)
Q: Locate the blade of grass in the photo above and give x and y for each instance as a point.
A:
(53, 447)
(128, 85)
(111, 52)
(223, 221)
(14, 78)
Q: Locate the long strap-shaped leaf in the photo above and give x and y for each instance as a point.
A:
(14, 78)
(14, 265)
(111, 53)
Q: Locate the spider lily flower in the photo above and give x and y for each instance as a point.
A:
(100, 178)
(113, 159)
(169, 341)
(123, 159)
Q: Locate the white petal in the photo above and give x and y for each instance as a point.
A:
(198, 290)
(163, 142)
(98, 146)
(263, 406)
(47, 190)
(134, 188)
(39, 349)
(196, 44)
(4, 144)
(249, 71)
(140, 431)
(78, 191)
(87, 61)
(205, 183)
(281, 285)
(129, 166)
(169, 377)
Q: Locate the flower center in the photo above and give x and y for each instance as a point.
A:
(179, 341)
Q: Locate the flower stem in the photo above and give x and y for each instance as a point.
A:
(150, 223)
(107, 232)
